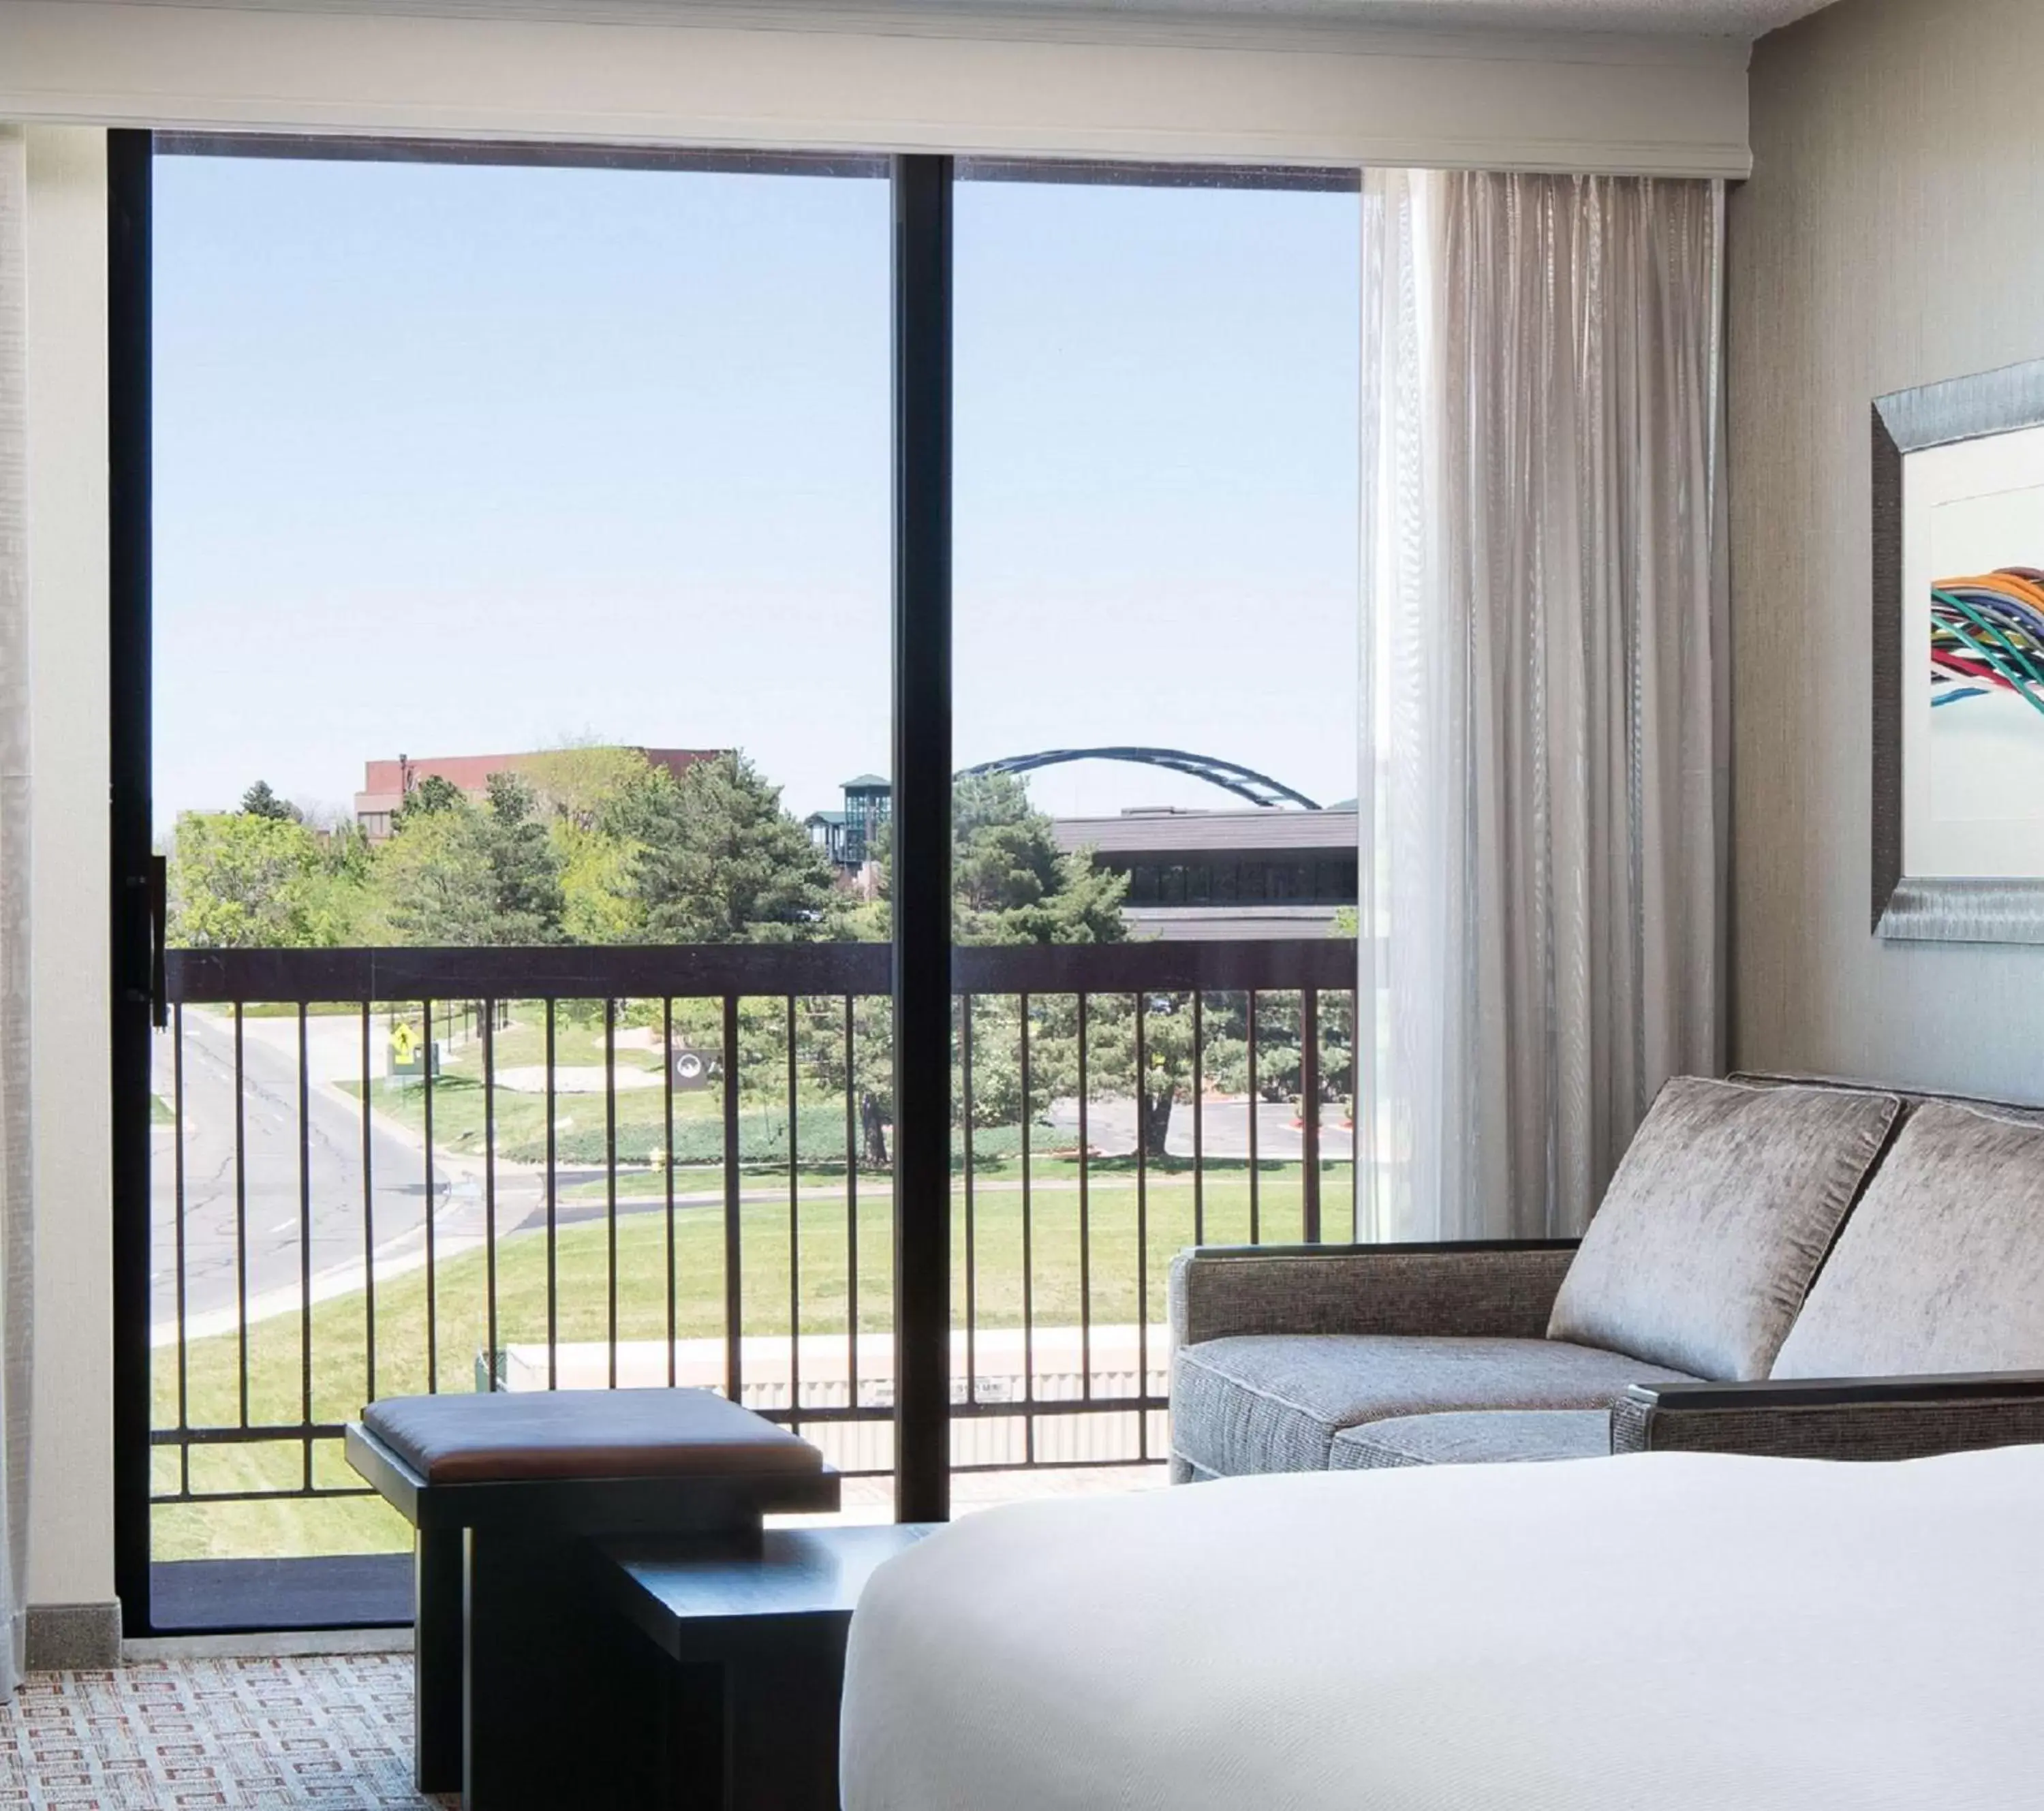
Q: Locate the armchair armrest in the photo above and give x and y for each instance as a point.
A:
(1847, 1417)
(1504, 1289)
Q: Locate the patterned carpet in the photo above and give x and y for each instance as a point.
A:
(333, 1731)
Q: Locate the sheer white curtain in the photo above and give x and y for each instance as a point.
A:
(1542, 740)
(16, 1228)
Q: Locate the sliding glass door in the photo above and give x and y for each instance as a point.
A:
(519, 639)
(1155, 570)
(536, 769)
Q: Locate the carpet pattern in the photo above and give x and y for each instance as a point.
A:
(249, 1734)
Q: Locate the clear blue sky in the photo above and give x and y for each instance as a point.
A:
(454, 460)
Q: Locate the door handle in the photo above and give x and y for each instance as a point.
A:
(154, 885)
(159, 931)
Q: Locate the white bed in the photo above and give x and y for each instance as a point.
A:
(1665, 1632)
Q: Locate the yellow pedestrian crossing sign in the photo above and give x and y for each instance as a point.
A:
(410, 1052)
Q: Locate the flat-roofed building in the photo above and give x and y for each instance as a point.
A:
(1255, 873)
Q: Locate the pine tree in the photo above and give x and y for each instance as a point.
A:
(259, 801)
(717, 859)
(455, 873)
(526, 897)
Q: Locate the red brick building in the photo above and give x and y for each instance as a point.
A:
(385, 783)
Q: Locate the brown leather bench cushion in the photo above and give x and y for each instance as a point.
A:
(527, 1435)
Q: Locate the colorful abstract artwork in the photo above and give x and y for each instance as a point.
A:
(1987, 639)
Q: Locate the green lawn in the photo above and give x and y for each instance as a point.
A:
(581, 1131)
(582, 1283)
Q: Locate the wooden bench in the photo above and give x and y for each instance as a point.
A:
(528, 1693)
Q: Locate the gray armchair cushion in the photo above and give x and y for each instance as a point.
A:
(1484, 1436)
(1275, 1402)
(1719, 1217)
(1941, 1267)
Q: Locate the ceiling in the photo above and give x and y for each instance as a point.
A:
(1742, 19)
(1735, 18)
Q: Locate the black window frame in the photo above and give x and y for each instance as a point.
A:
(922, 186)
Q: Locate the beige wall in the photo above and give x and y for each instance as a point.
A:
(1889, 237)
(71, 1519)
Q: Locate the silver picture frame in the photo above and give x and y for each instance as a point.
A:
(1987, 909)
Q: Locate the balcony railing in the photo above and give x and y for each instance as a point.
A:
(379, 1172)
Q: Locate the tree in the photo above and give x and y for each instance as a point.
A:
(456, 873)
(576, 785)
(259, 801)
(715, 859)
(431, 795)
(598, 903)
(433, 878)
(1011, 884)
(524, 866)
(254, 880)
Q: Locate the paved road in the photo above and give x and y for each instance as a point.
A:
(271, 1201)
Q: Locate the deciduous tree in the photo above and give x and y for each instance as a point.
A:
(252, 880)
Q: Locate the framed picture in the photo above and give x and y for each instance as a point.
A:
(1959, 659)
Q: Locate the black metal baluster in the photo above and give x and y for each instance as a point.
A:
(1355, 1113)
(667, 1085)
(1142, 1225)
(178, 1237)
(368, 1212)
(432, 1269)
(1309, 1115)
(305, 1239)
(1255, 1218)
(553, 1209)
(1085, 1223)
(1028, 1258)
(794, 1231)
(240, 1213)
(610, 1175)
(971, 1266)
(495, 1360)
(851, 1206)
(1199, 1119)
(734, 1304)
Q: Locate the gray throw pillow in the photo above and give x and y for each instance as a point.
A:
(1720, 1215)
(1941, 1266)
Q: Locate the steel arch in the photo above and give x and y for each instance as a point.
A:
(1244, 782)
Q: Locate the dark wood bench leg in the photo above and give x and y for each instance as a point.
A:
(694, 1739)
(558, 1706)
(784, 1722)
(437, 1659)
(760, 1731)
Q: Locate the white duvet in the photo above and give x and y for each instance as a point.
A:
(1666, 1633)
